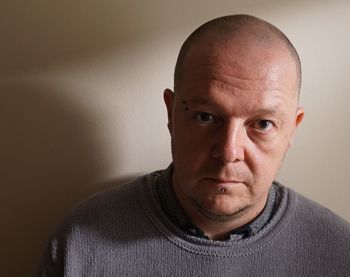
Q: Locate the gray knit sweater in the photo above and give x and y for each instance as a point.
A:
(123, 232)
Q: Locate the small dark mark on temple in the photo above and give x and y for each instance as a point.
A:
(184, 103)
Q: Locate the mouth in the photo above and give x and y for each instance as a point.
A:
(222, 181)
(221, 185)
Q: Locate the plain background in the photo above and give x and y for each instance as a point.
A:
(81, 105)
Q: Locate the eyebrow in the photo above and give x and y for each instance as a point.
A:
(198, 100)
(272, 110)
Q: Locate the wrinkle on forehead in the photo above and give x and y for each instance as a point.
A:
(214, 75)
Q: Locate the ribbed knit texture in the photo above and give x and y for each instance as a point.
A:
(124, 232)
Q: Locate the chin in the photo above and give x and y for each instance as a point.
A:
(222, 208)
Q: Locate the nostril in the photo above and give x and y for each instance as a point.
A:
(228, 154)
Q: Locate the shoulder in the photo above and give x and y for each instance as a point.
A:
(118, 203)
(103, 220)
(314, 214)
(318, 227)
(114, 208)
(309, 213)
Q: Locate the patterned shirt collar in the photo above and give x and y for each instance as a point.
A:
(177, 215)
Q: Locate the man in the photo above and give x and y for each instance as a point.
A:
(216, 210)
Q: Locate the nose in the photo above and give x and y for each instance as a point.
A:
(229, 143)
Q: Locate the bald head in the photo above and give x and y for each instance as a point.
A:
(237, 28)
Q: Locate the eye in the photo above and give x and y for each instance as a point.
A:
(263, 125)
(204, 118)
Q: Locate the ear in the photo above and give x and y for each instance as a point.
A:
(298, 119)
(169, 102)
(299, 116)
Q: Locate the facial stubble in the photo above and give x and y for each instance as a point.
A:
(205, 213)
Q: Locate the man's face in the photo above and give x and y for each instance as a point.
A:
(231, 121)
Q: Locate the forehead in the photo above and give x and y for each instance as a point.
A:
(238, 100)
(240, 60)
(241, 81)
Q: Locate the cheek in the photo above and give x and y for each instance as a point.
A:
(274, 146)
(267, 157)
(189, 140)
(190, 148)
(191, 152)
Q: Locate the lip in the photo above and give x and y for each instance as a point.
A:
(222, 181)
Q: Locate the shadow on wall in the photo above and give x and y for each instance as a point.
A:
(50, 150)
(40, 34)
(49, 162)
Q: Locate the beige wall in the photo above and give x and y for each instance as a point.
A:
(81, 103)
